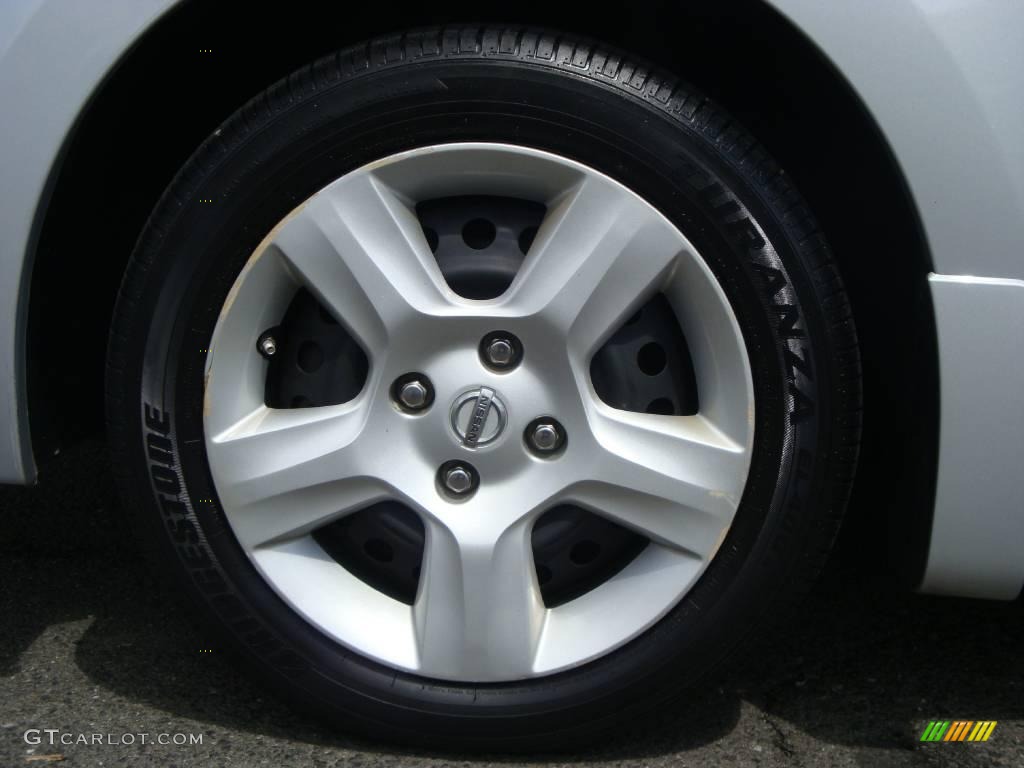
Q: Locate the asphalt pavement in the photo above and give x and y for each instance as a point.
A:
(90, 644)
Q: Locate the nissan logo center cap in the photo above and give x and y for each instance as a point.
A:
(478, 417)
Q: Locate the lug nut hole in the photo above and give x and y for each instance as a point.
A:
(479, 233)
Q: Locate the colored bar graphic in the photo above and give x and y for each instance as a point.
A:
(958, 730)
(935, 731)
(958, 727)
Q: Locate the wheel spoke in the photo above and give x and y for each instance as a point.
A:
(478, 613)
(675, 479)
(599, 255)
(359, 248)
(284, 473)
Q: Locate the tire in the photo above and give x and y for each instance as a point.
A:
(577, 100)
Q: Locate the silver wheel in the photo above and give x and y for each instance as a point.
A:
(478, 614)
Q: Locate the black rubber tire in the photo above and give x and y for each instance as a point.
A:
(565, 95)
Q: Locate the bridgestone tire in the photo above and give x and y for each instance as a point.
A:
(608, 110)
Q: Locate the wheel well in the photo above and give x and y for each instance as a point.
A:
(167, 94)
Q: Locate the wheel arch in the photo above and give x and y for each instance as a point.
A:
(167, 93)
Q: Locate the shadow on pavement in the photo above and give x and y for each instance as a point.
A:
(859, 667)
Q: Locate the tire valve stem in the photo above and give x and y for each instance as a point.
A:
(267, 345)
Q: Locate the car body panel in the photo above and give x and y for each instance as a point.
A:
(978, 523)
(53, 56)
(932, 73)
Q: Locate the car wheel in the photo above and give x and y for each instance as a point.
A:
(484, 387)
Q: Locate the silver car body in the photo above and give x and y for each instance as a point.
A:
(942, 80)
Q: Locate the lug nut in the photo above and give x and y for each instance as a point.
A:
(545, 436)
(458, 480)
(413, 395)
(267, 345)
(501, 351)
(412, 392)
